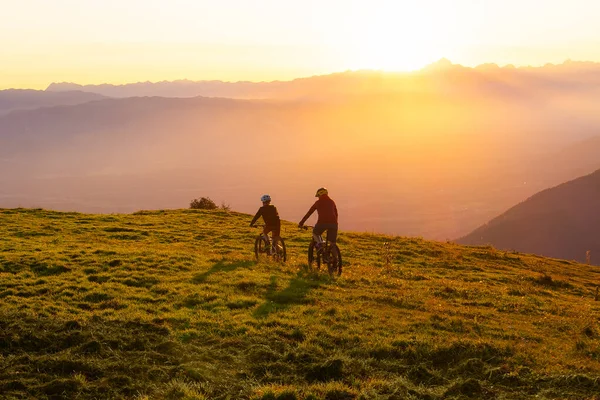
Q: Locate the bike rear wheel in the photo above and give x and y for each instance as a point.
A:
(261, 248)
(334, 261)
(280, 250)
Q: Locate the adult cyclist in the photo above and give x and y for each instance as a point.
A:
(327, 217)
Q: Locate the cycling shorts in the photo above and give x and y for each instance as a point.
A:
(332, 231)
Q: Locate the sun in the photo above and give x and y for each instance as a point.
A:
(402, 37)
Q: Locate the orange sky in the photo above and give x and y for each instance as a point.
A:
(119, 41)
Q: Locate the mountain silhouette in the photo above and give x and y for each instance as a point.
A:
(441, 64)
(19, 99)
(439, 77)
(561, 222)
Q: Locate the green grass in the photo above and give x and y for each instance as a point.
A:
(172, 305)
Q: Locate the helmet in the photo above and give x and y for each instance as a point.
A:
(265, 197)
(321, 192)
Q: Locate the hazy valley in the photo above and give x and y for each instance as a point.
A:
(434, 153)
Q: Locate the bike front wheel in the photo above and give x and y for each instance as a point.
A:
(313, 255)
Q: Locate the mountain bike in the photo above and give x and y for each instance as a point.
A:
(326, 253)
(265, 246)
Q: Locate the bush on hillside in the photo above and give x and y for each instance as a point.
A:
(224, 206)
(203, 203)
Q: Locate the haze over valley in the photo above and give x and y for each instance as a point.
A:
(434, 153)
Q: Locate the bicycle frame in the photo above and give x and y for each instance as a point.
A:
(276, 248)
(327, 253)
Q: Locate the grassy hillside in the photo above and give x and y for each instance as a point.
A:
(172, 305)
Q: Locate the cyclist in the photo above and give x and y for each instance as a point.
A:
(327, 220)
(271, 217)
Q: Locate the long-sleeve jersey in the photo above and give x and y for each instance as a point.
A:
(326, 209)
(269, 214)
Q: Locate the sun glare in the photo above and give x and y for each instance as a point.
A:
(379, 56)
(403, 38)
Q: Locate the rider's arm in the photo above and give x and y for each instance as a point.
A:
(257, 216)
(308, 214)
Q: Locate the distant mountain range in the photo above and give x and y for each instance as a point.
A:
(440, 77)
(14, 99)
(561, 222)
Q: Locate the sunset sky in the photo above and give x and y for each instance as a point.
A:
(121, 41)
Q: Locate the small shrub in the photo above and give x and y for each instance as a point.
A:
(203, 203)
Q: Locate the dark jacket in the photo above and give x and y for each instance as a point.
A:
(269, 214)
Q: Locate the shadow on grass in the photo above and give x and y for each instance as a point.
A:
(221, 266)
(295, 293)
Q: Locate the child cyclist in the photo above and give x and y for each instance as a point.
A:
(271, 217)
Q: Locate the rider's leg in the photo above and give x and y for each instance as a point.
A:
(332, 232)
(266, 231)
(318, 239)
(276, 233)
(317, 232)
